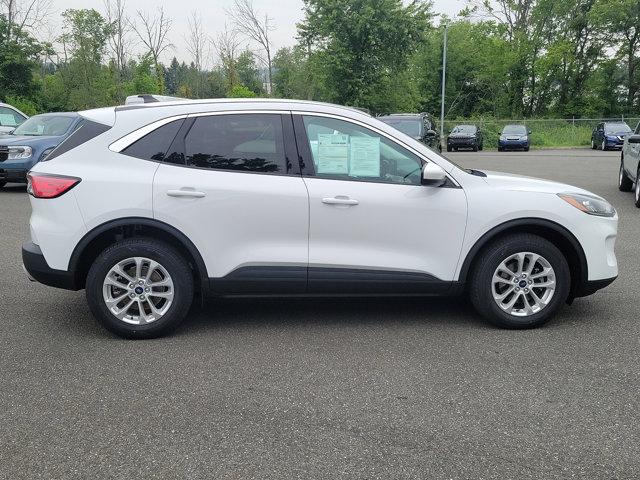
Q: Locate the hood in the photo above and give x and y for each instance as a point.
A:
(508, 181)
(462, 135)
(26, 139)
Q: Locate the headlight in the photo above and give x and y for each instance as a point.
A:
(589, 204)
(524, 138)
(16, 153)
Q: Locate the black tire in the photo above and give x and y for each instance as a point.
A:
(526, 149)
(171, 261)
(2, 183)
(501, 149)
(448, 148)
(475, 147)
(637, 189)
(604, 146)
(593, 145)
(480, 290)
(625, 184)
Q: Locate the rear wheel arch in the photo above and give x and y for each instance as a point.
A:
(562, 238)
(105, 235)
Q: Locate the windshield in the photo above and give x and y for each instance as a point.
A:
(41, 125)
(514, 130)
(408, 126)
(470, 129)
(616, 128)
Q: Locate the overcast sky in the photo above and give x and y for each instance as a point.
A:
(285, 13)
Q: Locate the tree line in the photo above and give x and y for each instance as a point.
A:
(506, 58)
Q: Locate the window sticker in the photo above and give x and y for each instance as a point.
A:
(333, 153)
(365, 157)
(7, 120)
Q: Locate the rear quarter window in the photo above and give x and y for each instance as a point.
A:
(154, 145)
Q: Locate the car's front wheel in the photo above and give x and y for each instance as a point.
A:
(637, 189)
(604, 145)
(624, 182)
(520, 281)
(2, 183)
(139, 288)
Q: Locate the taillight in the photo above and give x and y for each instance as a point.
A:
(44, 185)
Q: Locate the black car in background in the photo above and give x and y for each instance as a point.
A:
(465, 136)
(417, 125)
(609, 135)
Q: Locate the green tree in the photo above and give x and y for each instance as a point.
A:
(360, 44)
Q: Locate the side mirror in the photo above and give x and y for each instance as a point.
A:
(633, 138)
(433, 175)
(529, 132)
(431, 133)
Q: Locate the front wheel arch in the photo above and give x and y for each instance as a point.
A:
(562, 238)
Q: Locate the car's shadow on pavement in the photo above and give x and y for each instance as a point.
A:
(223, 314)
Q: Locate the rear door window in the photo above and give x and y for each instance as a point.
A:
(237, 142)
(154, 145)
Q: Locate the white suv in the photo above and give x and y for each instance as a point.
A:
(147, 205)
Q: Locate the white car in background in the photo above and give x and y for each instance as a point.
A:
(147, 204)
(10, 118)
(629, 176)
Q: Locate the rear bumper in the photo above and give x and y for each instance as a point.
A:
(38, 270)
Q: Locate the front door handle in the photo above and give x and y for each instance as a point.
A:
(183, 192)
(340, 200)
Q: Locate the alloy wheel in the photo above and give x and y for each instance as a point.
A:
(523, 284)
(138, 290)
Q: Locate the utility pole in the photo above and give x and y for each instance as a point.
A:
(444, 76)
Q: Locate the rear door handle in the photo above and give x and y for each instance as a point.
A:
(185, 192)
(340, 200)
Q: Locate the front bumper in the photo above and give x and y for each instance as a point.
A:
(614, 143)
(513, 143)
(38, 270)
(13, 175)
(592, 286)
(461, 142)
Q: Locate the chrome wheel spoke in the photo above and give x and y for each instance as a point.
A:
(122, 312)
(515, 279)
(128, 284)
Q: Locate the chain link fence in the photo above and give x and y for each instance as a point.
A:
(545, 132)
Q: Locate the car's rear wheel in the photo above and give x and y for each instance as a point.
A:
(624, 182)
(139, 288)
(520, 281)
(593, 145)
(2, 183)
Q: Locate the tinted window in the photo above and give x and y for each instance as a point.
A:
(86, 132)
(514, 130)
(616, 128)
(154, 145)
(408, 126)
(41, 125)
(10, 118)
(469, 129)
(244, 142)
(347, 151)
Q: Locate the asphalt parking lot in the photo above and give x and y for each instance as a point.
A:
(417, 388)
